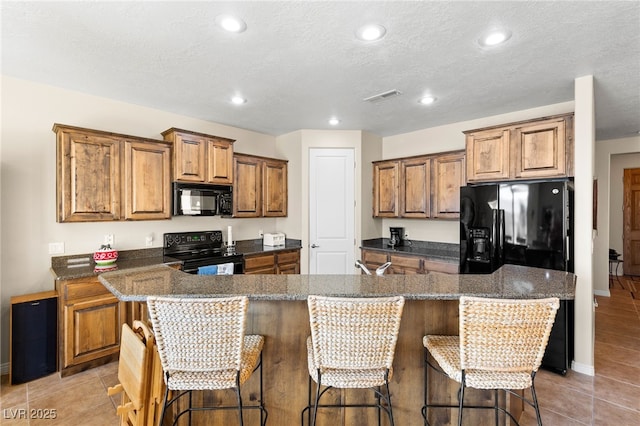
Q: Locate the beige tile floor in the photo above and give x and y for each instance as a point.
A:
(611, 397)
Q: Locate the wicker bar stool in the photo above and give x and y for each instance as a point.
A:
(202, 346)
(500, 347)
(352, 345)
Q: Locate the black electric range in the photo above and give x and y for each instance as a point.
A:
(200, 248)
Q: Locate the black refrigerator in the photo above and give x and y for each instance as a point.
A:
(522, 223)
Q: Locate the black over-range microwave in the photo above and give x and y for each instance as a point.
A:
(194, 199)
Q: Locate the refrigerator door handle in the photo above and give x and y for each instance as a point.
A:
(568, 238)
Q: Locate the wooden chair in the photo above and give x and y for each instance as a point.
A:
(500, 346)
(140, 382)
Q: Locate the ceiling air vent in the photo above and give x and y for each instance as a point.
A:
(382, 96)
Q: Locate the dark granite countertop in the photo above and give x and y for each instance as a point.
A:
(248, 247)
(82, 265)
(446, 252)
(510, 281)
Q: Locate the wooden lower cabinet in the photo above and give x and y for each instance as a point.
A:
(91, 319)
(405, 264)
(281, 262)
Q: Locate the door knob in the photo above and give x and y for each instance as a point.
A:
(314, 245)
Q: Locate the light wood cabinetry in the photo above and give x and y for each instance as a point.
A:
(385, 189)
(448, 176)
(530, 149)
(198, 157)
(426, 186)
(260, 186)
(90, 324)
(280, 262)
(415, 187)
(402, 264)
(105, 176)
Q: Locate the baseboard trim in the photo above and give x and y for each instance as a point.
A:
(583, 368)
(4, 368)
(605, 293)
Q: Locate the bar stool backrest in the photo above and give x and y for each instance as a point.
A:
(354, 333)
(199, 334)
(505, 334)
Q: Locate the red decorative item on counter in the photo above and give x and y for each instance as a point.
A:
(105, 256)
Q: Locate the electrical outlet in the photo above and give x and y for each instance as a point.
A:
(56, 248)
(108, 239)
(149, 241)
(260, 233)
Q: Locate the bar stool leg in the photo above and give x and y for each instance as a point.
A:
(461, 400)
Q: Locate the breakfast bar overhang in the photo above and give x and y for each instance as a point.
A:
(278, 311)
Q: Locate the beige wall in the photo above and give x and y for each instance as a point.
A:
(28, 183)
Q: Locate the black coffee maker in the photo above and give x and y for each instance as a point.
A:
(396, 238)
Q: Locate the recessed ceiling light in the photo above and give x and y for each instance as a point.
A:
(238, 100)
(427, 100)
(231, 23)
(334, 121)
(494, 37)
(371, 32)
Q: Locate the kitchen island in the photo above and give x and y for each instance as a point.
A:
(278, 311)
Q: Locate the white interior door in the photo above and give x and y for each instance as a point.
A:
(331, 211)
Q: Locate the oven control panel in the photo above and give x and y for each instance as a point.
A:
(193, 239)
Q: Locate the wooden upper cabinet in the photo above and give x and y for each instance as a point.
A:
(88, 175)
(385, 189)
(147, 183)
(261, 186)
(488, 155)
(274, 188)
(219, 161)
(448, 177)
(198, 157)
(540, 149)
(419, 187)
(247, 188)
(415, 184)
(530, 149)
(104, 176)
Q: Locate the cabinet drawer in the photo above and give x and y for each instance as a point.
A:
(405, 262)
(374, 257)
(288, 257)
(448, 268)
(81, 288)
(259, 261)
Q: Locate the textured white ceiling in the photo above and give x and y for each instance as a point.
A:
(299, 63)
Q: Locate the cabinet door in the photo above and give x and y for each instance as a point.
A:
(288, 262)
(540, 149)
(92, 329)
(189, 152)
(488, 155)
(247, 187)
(147, 185)
(88, 175)
(219, 162)
(415, 187)
(448, 177)
(274, 188)
(385, 189)
(260, 264)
